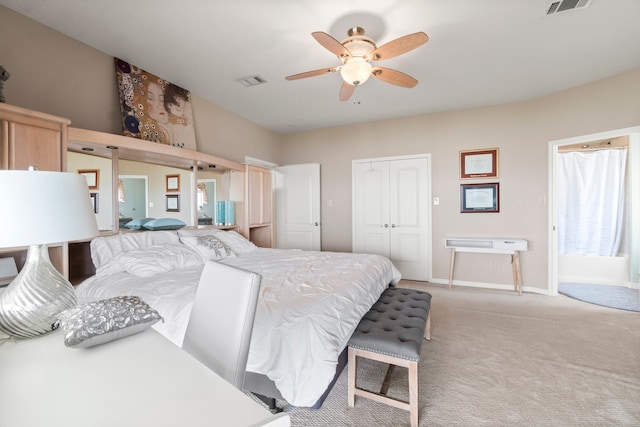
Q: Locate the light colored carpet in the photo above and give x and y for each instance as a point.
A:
(499, 359)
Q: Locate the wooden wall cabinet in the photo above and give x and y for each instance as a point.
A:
(30, 138)
(259, 206)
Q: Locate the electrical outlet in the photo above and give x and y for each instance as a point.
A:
(436, 201)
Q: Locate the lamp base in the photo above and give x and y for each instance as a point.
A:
(29, 306)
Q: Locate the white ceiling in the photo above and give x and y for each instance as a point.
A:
(480, 52)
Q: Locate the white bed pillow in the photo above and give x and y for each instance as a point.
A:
(152, 260)
(209, 246)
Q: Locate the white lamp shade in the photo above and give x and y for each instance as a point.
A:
(38, 207)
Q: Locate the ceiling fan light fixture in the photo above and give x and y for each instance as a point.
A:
(355, 71)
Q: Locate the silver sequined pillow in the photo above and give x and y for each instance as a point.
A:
(106, 320)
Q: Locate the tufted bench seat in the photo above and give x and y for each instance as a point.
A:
(392, 332)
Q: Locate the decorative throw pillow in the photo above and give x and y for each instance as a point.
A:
(209, 246)
(238, 243)
(106, 320)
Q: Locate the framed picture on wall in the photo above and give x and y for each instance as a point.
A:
(92, 176)
(479, 163)
(172, 183)
(173, 203)
(480, 197)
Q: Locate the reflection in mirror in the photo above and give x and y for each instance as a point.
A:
(154, 199)
(132, 198)
(210, 189)
(79, 161)
(206, 192)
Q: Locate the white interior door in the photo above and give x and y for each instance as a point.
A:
(409, 216)
(371, 208)
(297, 190)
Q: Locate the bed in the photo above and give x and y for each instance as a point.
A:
(310, 302)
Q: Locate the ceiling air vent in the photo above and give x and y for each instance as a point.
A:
(566, 5)
(251, 81)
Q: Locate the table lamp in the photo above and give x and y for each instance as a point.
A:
(37, 209)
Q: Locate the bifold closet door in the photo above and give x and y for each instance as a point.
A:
(391, 216)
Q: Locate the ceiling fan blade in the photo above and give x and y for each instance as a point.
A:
(331, 44)
(394, 77)
(311, 73)
(346, 91)
(399, 46)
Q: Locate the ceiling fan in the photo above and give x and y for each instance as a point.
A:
(357, 52)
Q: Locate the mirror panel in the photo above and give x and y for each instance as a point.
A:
(102, 196)
(156, 193)
(133, 193)
(210, 188)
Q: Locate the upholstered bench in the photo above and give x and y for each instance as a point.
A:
(392, 332)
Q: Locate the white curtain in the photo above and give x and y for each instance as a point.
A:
(591, 202)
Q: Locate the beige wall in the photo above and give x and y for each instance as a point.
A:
(521, 131)
(58, 75)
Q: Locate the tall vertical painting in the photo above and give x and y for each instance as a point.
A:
(154, 109)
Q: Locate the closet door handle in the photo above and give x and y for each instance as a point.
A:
(385, 226)
(316, 223)
(393, 226)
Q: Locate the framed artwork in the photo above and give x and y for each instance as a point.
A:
(479, 163)
(154, 109)
(172, 183)
(173, 203)
(94, 201)
(92, 176)
(480, 197)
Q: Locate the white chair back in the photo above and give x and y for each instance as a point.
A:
(221, 321)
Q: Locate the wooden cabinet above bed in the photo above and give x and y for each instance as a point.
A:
(30, 138)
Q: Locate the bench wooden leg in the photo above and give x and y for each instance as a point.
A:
(427, 328)
(381, 397)
(413, 393)
(352, 369)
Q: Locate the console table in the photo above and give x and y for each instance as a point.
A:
(140, 380)
(490, 245)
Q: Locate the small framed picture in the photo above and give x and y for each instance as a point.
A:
(480, 197)
(92, 176)
(172, 183)
(94, 201)
(479, 163)
(173, 203)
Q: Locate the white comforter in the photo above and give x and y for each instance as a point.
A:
(310, 304)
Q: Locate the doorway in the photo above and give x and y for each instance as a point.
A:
(632, 225)
(133, 193)
(297, 197)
